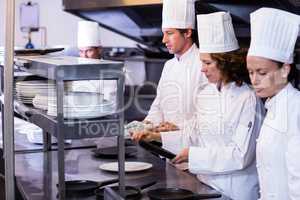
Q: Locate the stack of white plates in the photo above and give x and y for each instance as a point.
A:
(34, 133)
(76, 104)
(81, 105)
(27, 90)
(74, 99)
(40, 102)
(92, 111)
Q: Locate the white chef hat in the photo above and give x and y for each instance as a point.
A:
(88, 34)
(273, 34)
(216, 33)
(178, 14)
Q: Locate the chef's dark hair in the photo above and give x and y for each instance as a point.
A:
(233, 66)
(194, 35)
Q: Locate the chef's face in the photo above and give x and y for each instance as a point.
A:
(176, 41)
(267, 77)
(90, 52)
(210, 68)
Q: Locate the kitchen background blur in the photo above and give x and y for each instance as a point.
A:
(65, 22)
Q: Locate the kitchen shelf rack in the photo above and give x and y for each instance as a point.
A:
(64, 68)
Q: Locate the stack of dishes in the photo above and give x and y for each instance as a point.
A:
(27, 90)
(82, 105)
(34, 133)
(40, 102)
(42, 94)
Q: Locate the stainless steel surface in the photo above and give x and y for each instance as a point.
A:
(65, 60)
(60, 135)
(80, 164)
(121, 143)
(8, 117)
(121, 163)
(22, 144)
(47, 141)
(72, 68)
(73, 129)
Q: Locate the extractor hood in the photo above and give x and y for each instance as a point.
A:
(140, 20)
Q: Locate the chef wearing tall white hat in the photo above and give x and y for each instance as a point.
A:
(88, 43)
(88, 40)
(270, 61)
(181, 75)
(222, 136)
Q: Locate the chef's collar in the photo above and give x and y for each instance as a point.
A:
(186, 54)
(271, 102)
(277, 114)
(221, 86)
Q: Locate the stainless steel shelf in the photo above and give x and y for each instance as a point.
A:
(73, 128)
(67, 68)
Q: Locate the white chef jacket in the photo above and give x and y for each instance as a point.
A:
(278, 147)
(178, 83)
(222, 140)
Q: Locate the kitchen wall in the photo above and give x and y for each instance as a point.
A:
(61, 27)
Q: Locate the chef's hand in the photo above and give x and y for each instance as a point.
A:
(148, 125)
(146, 135)
(166, 126)
(147, 122)
(183, 156)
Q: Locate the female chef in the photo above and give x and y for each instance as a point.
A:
(221, 150)
(273, 36)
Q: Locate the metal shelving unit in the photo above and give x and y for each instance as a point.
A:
(61, 69)
(8, 131)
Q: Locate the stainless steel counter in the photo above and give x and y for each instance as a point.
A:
(22, 143)
(37, 178)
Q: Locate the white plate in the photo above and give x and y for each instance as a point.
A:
(25, 99)
(34, 82)
(129, 166)
(40, 106)
(81, 115)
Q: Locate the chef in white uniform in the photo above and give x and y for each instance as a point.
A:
(221, 139)
(88, 40)
(181, 75)
(269, 61)
(89, 45)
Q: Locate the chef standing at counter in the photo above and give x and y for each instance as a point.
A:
(88, 40)
(273, 36)
(89, 45)
(181, 75)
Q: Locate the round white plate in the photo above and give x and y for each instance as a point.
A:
(129, 166)
(34, 82)
(80, 115)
